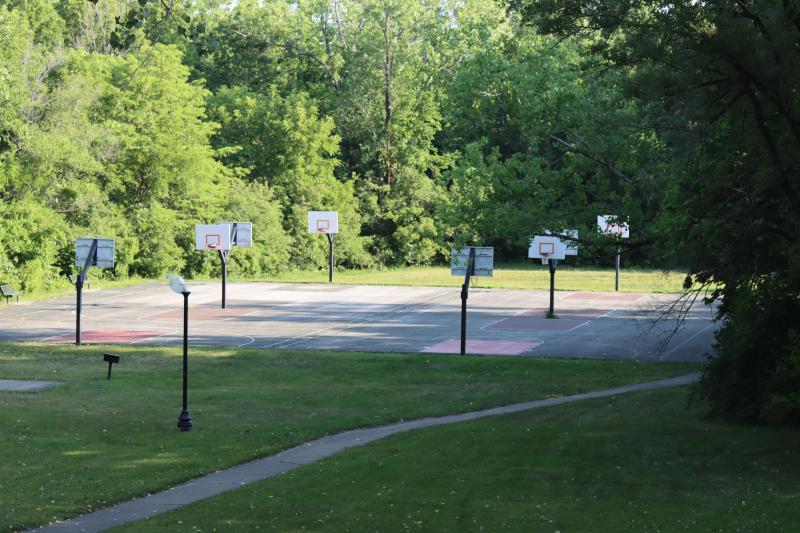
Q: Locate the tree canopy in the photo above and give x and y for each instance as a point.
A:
(718, 80)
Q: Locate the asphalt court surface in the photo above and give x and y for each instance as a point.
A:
(373, 318)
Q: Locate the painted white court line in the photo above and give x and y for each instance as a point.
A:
(685, 341)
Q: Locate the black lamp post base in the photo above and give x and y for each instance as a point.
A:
(184, 421)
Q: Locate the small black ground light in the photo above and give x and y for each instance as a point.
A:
(110, 358)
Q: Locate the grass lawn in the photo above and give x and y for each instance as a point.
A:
(506, 276)
(64, 288)
(635, 462)
(530, 276)
(93, 442)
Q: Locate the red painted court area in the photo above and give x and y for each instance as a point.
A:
(483, 347)
(104, 337)
(201, 314)
(535, 320)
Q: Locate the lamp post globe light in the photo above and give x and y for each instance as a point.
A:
(178, 285)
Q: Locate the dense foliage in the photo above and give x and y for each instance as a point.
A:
(720, 79)
(422, 123)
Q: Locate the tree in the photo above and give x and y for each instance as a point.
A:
(548, 146)
(284, 144)
(721, 80)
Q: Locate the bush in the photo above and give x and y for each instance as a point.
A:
(755, 376)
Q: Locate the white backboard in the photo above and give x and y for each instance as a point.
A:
(241, 234)
(572, 245)
(323, 222)
(547, 247)
(484, 261)
(104, 257)
(614, 229)
(212, 237)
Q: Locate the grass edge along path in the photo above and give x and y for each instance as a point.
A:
(93, 442)
(644, 461)
(307, 453)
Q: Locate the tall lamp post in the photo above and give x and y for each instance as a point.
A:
(178, 285)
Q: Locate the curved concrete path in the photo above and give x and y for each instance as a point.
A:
(310, 452)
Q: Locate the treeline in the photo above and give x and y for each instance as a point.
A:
(423, 123)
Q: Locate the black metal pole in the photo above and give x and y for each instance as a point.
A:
(464, 296)
(79, 290)
(330, 257)
(552, 264)
(90, 260)
(223, 256)
(616, 277)
(464, 291)
(184, 420)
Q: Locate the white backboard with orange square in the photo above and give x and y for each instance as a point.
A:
(212, 237)
(546, 247)
(323, 222)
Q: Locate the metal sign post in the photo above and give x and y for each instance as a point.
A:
(79, 289)
(89, 252)
(223, 257)
(470, 261)
(470, 270)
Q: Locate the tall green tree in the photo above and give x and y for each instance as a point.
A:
(283, 143)
(548, 145)
(721, 77)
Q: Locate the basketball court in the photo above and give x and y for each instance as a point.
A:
(371, 318)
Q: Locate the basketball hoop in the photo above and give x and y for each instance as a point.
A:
(545, 259)
(212, 241)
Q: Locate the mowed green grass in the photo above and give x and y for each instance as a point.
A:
(635, 462)
(93, 442)
(531, 276)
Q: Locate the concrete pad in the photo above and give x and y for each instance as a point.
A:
(106, 337)
(202, 314)
(482, 347)
(372, 318)
(563, 312)
(606, 296)
(14, 385)
(531, 323)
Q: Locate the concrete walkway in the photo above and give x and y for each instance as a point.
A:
(14, 385)
(310, 452)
